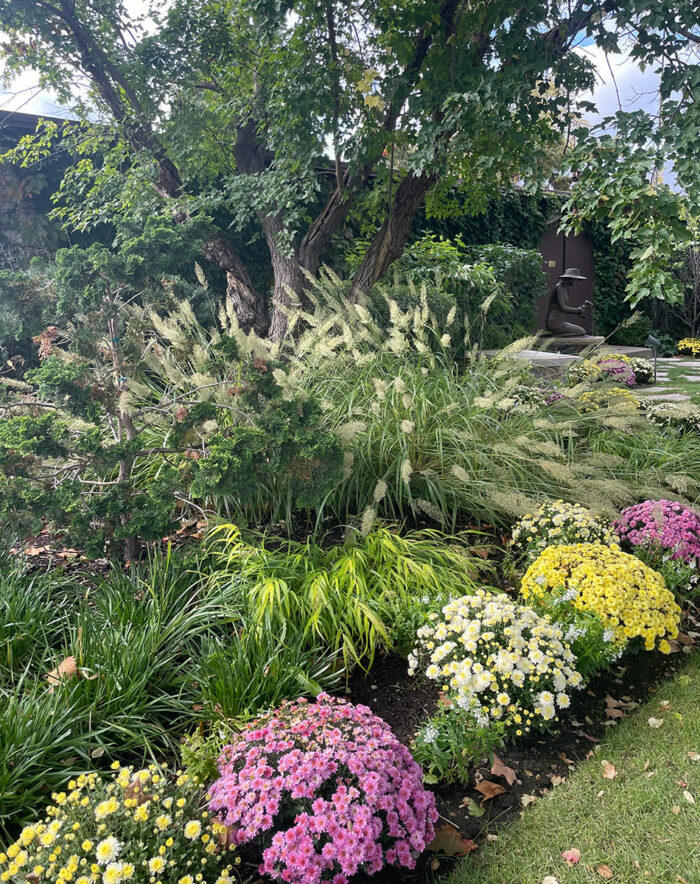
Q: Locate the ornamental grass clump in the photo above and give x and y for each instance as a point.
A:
(667, 526)
(507, 665)
(629, 598)
(137, 825)
(327, 790)
(557, 522)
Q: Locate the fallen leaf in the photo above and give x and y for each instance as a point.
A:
(500, 769)
(566, 760)
(609, 771)
(646, 765)
(557, 781)
(527, 800)
(435, 865)
(489, 789)
(694, 756)
(676, 809)
(448, 840)
(67, 668)
(655, 722)
(689, 797)
(572, 856)
(472, 807)
(604, 871)
(491, 837)
(550, 879)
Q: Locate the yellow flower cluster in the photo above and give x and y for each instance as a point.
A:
(611, 398)
(499, 660)
(558, 522)
(628, 597)
(142, 826)
(690, 347)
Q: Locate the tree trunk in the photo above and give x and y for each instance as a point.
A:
(247, 303)
(288, 277)
(388, 244)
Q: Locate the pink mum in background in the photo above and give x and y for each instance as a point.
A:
(329, 790)
(618, 371)
(667, 524)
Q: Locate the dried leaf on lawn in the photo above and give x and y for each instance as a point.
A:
(571, 856)
(604, 871)
(609, 771)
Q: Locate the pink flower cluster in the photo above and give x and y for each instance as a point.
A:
(663, 523)
(618, 371)
(329, 791)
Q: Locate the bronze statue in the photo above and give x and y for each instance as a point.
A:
(560, 309)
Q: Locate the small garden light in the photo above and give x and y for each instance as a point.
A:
(654, 344)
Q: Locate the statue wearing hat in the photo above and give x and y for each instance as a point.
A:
(560, 311)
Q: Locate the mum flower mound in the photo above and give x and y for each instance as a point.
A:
(663, 525)
(137, 826)
(558, 522)
(628, 597)
(500, 660)
(328, 788)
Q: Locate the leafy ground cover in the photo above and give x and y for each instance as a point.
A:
(631, 812)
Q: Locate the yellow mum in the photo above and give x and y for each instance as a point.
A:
(630, 598)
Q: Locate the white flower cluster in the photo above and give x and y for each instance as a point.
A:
(498, 659)
(558, 522)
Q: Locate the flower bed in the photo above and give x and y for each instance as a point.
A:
(328, 790)
(667, 525)
(629, 598)
(141, 826)
(689, 347)
(616, 368)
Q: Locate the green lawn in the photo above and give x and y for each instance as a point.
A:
(641, 824)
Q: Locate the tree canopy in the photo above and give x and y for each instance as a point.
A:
(292, 116)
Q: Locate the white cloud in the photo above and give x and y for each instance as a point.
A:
(620, 84)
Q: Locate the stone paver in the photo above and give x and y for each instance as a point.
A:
(668, 397)
(694, 378)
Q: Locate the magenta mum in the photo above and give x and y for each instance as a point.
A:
(327, 789)
(667, 524)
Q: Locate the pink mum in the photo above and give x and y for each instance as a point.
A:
(341, 794)
(667, 524)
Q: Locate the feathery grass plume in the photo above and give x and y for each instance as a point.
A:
(406, 471)
(512, 502)
(380, 490)
(681, 483)
(349, 430)
(559, 471)
(348, 461)
(201, 278)
(460, 473)
(368, 518)
(407, 426)
(430, 510)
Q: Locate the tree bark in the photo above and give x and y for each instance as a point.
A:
(288, 277)
(389, 243)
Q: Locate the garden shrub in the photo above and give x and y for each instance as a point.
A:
(629, 599)
(689, 347)
(498, 660)
(135, 825)
(557, 522)
(494, 287)
(327, 789)
(666, 526)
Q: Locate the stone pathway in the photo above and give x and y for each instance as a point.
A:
(665, 387)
